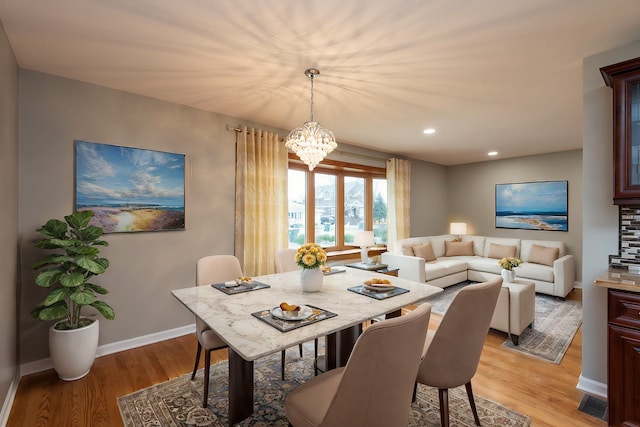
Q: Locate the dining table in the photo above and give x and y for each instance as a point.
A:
(247, 318)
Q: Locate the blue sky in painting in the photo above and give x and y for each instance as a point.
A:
(108, 175)
(530, 197)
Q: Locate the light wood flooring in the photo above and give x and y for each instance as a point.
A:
(544, 391)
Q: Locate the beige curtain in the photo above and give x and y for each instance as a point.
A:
(261, 200)
(398, 200)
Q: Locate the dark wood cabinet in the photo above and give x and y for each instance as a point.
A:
(624, 358)
(624, 79)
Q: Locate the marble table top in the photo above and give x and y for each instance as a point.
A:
(230, 315)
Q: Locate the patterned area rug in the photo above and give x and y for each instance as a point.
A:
(556, 324)
(177, 402)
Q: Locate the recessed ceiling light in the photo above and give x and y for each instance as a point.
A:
(429, 131)
(492, 153)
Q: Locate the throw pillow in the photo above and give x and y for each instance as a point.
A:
(424, 251)
(543, 255)
(501, 251)
(458, 248)
(407, 250)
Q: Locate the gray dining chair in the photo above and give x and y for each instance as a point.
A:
(374, 388)
(452, 352)
(286, 261)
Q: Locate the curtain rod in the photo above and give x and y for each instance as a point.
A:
(347, 153)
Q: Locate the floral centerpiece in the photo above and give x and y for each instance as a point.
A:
(509, 263)
(311, 255)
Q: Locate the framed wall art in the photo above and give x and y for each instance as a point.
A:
(130, 189)
(539, 205)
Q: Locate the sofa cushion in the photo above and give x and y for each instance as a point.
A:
(543, 255)
(486, 265)
(438, 243)
(458, 248)
(444, 267)
(500, 241)
(501, 251)
(407, 250)
(478, 243)
(528, 270)
(425, 251)
(525, 248)
(397, 247)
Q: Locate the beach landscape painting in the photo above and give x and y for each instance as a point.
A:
(130, 189)
(532, 205)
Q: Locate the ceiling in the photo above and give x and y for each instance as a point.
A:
(498, 75)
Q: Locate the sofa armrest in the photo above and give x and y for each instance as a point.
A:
(564, 273)
(411, 267)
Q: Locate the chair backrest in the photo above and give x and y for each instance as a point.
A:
(377, 382)
(286, 260)
(215, 269)
(453, 351)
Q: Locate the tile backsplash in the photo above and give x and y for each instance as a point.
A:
(628, 238)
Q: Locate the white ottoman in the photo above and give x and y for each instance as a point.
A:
(515, 309)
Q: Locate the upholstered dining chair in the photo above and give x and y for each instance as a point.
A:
(374, 388)
(286, 261)
(452, 352)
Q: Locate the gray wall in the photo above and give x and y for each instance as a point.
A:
(471, 195)
(600, 234)
(9, 224)
(428, 199)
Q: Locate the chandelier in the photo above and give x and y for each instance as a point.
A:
(311, 142)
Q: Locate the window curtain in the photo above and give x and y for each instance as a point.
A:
(398, 200)
(261, 200)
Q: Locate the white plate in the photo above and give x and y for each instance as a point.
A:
(303, 313)
(379, 287)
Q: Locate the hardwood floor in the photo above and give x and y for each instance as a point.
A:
(544, 391)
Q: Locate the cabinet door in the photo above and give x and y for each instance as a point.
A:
(624, 78)
(624, 377)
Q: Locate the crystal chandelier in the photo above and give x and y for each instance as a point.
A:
(311, 142)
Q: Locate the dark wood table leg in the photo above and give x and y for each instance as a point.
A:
(331, 350)
(346, 340)
(240, 388)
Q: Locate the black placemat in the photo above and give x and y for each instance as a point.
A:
(377, 295)
(318, 315)
(254, 286)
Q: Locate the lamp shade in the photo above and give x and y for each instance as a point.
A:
(363, 239)
(458, 228)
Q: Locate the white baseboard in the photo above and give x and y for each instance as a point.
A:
(44, 364)
(8, 400)
(595, 388)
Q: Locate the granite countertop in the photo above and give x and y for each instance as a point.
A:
(619, 279)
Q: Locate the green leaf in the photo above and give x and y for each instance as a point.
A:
(47, 278)
(79, 219)
(104, 309)
(83, 297)
(89, 234)
(96, 288)
(87, 251)
(54, 228)
(53, 259)
(56, 296)
(54, 312)
(53, 243)
(72, 280)
(89, 265)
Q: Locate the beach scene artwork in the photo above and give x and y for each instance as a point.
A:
(130, 189)
(532, 205)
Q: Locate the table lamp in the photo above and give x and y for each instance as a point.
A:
(364, 239)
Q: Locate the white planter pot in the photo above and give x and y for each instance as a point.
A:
(508, 275)
(73, 351)
(311, 279)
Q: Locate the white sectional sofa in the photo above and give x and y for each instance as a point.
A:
(458, 258)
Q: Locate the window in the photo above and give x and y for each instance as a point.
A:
(329, 204)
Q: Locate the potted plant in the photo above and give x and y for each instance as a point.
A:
(508, 264)
(73, 340)
(310, 257)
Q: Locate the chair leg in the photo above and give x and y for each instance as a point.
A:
(207, 366)
(315, 357)
(195, 366)
(443, 395)
(472, 403)
(300, 348)
(282, 365)
(415, 392)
